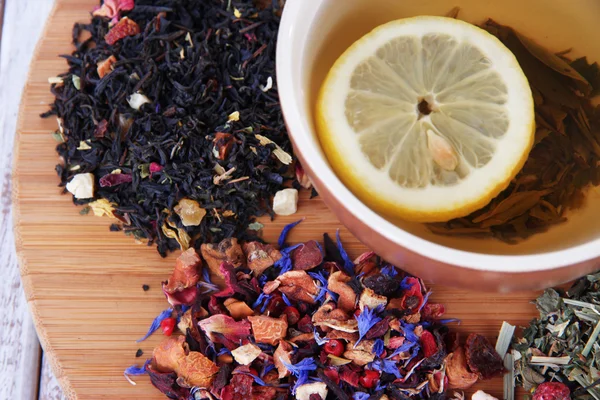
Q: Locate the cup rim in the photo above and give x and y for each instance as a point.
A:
(300, 130)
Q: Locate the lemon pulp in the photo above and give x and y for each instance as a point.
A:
(426, 118)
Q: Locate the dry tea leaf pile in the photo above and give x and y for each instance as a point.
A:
(565, 158)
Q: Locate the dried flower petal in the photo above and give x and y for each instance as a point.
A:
(156, 323)
(278, 152)
(226, 326)
(110, 180)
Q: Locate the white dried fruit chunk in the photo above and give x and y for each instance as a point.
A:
(481, 395)
(285, 202)
(303, 392)
(369, 298)
(245, 354)
(136, 100)
(441, 151)
(82, 186)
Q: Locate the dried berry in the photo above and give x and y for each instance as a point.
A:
(552, 391)
(482, 357)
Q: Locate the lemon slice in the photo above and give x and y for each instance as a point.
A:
(426, 118)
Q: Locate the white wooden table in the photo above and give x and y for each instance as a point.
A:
(24, 375)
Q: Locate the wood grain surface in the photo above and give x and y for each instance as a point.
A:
(84, 284)
(19, 347)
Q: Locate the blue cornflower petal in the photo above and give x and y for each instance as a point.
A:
(156, 323)
(409, 331)
(425, 298)
(266, 369)
(389, 270)
(262, 297)
(286, 300)
(206, 276)
(360, 396)
(366, 320)
(262, 279)
(449, 320)
(224, 350)
(387, 366)
(405, 347)
(307, 364)
(380, 386)
(285, 231)
(348, 264)
(405, 285)
(302, 379)
(135, 370)
(320, 340)
(285, 262)
(256, 378)
(184, 308)
(378, 347)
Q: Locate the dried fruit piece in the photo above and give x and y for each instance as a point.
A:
(180, 288)
(170, 355)
(482, 357)
(307, 256)
(125, 27)
(104, 68)
(228, 250)
(260, 256)
(283, 354)
(368, 298)
(190, 212)
(338, 283)
(245, 354)
(299, 286)
(268, 330)
(306, 391)
(459, 377)
(359, 357)
(223, 142)
(238, 309)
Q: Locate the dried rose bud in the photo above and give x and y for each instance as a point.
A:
(223, 142)
(125, 27)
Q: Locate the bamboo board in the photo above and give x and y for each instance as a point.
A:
(84, 283)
